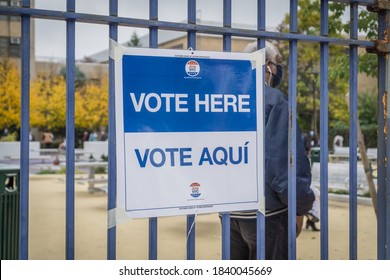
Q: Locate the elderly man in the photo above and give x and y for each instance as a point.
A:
(243, 224)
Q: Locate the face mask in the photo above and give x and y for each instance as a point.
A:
(277, 78)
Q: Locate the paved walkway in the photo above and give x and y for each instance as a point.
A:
(47, 229)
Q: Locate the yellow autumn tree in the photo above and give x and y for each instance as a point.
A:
(48, 102)
(9, 94)
(92, 105)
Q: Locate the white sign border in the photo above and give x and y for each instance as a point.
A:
(117, 51)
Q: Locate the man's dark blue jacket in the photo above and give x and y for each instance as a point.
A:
(277, 159)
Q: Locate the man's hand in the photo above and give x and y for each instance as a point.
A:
(299, 224)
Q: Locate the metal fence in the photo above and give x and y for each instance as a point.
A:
(381, 46)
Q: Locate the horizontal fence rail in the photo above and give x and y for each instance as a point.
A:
(185, 27)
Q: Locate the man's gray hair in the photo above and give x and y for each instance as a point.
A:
(271, 52)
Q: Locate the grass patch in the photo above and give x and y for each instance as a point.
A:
(47, 172)
(345, 192)
(60, 171)
(101, 170)
(338, 191)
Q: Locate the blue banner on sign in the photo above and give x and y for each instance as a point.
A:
(170, 94)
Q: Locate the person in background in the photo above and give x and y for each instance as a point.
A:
(243, 224)
(47, 139)
(62, 147)
(103, 136)
(313, 216)
(85, 136)
(93, 136)
(307, 143)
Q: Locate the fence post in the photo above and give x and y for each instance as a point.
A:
(70, 130)
(260, 227)
(191, 43)
(324, 49)
(383, 139)
(153, 43)
(24, 129)
(292, 145)
(353, 59)
(382, 48)
(111, 201)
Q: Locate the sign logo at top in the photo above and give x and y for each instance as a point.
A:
(192, 68)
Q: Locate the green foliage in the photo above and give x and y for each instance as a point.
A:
(346, 192)
(47, 172)
(367, 109)
(134, 41)
(367, 112)
(338, 191)
(100, 170)
(368, 24)
(368, 118)
(13, 136)
(308, 91)
(79, 77)
(104, 158)
(62, 170)
(366, 194)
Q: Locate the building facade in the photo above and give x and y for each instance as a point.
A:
(10, 36)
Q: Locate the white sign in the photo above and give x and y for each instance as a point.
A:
(189, 132)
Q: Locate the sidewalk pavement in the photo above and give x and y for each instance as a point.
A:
(47, 229)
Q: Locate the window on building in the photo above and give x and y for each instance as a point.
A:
(14, 51)
(15, 3)
(14, 41)
(3, 42)
(4, 46)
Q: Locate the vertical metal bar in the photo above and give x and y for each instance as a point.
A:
(384, 16)
(292, 132)
(153, 43)
(227, 47)
(227, 22)
(293, 16)
(260, 227)
(324, 49)
(191, 18)
(70, 88)
(153, 238)
(382, 148)
(153, 15)
(381, 156)
(225, 220)
(384, 142)
(353, 135)
(191, 41)
(111, 203)
(24, 133)
(190, 237)
(387, 145)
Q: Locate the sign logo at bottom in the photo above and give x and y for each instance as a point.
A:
(195, 189)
